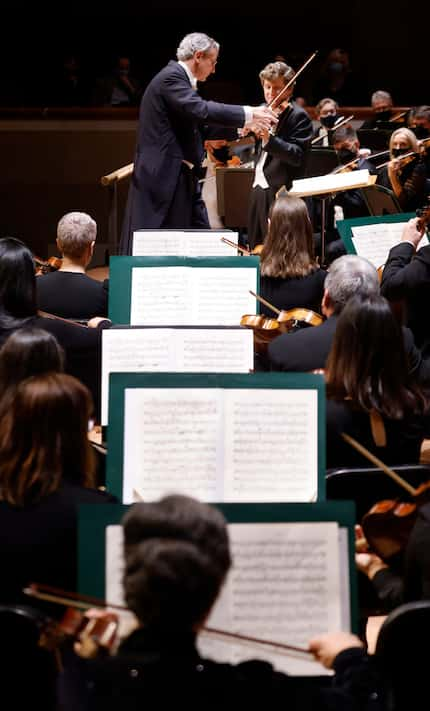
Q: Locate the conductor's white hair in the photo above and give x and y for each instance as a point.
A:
(195, 42)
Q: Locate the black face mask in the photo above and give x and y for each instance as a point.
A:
(329, 121)
(420, 132)
(346, 155)
(396, 152)
(383, 115)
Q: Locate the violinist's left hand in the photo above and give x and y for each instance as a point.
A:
(367, 562)
(98, 635)
(412, 232)
(326, 648)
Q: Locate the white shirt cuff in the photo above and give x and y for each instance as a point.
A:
(248, 114)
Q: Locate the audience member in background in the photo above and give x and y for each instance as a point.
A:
(290, 275)
(119, 88)
(382, 107)
(336, 79)
(18, 309)
(406, 177)
(176, 561)
(308, 349)
(70, 87)
(327, 114)
(280, 155)
(370, 392)
(68, 291)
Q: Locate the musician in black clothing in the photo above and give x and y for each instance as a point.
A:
(69, 292)
(406, 177)
(176, 560)
(280, 156)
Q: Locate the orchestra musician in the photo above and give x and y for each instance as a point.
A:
(326, 112)
(164, 191)
(405, 174)
(176, 560)
(280, 157)
(382, 107)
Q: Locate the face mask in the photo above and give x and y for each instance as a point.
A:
(329, 121)
(336, 67)
(396, 152)
(420, 132)
(346, 155)
(383, 115)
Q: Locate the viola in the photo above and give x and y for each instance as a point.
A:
(46, 266)
(388, 524)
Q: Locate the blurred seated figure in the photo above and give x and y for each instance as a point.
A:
(68, 292)
(371, 394)
(69, 86)
(290, 275)
(337, 80)
(120, 88)
(176, 560)
(382, 107)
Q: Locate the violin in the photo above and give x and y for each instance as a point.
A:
(405, 158)
(388, 523)
(352, 165)
(341, 121)
(46, 266)
(102, 631)
(287, 321)
(243, 250)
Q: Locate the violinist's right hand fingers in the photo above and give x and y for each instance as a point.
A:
(326, 648)
(369, 564)
(412, 232)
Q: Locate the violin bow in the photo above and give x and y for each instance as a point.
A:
(278, 99)
(379, 463)
(71, 599)
(266, 303)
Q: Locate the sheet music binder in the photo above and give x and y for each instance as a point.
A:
(93, 520)
(120, 382)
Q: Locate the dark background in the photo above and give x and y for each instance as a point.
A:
(388, 47)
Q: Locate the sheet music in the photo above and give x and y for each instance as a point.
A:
(284, 586)
(215, 296)
(220, 444)
(331, 182)
(375, 241)
(135, 350)
(271, 448)
(193, 243)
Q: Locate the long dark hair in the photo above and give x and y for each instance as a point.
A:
(29, 351)
(44, 438)
(17, 283)
(288, 250)
(367, 363)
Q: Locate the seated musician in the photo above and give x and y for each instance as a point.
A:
(18, 309)
(406, 172)
(326, 113)
(371, 394)
(176, 560)
(290, 275)
(382, 108)
(69, 292)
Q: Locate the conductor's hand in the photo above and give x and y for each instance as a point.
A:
(326, 648)
(263, 118)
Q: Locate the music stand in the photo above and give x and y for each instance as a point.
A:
(321, 161)
(374, 138)
(233, 186)
(324, 186)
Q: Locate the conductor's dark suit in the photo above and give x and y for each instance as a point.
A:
(164, 191)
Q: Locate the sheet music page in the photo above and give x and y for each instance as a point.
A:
(208, 243)
(271, 449)
(161, 295)
(157, 243)
(200, 296)
(134, 350)
(173, 443)
(375, 241)
(222, 295)
(183, 243)
(114, 593)
(330, 182)
(284, 586)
